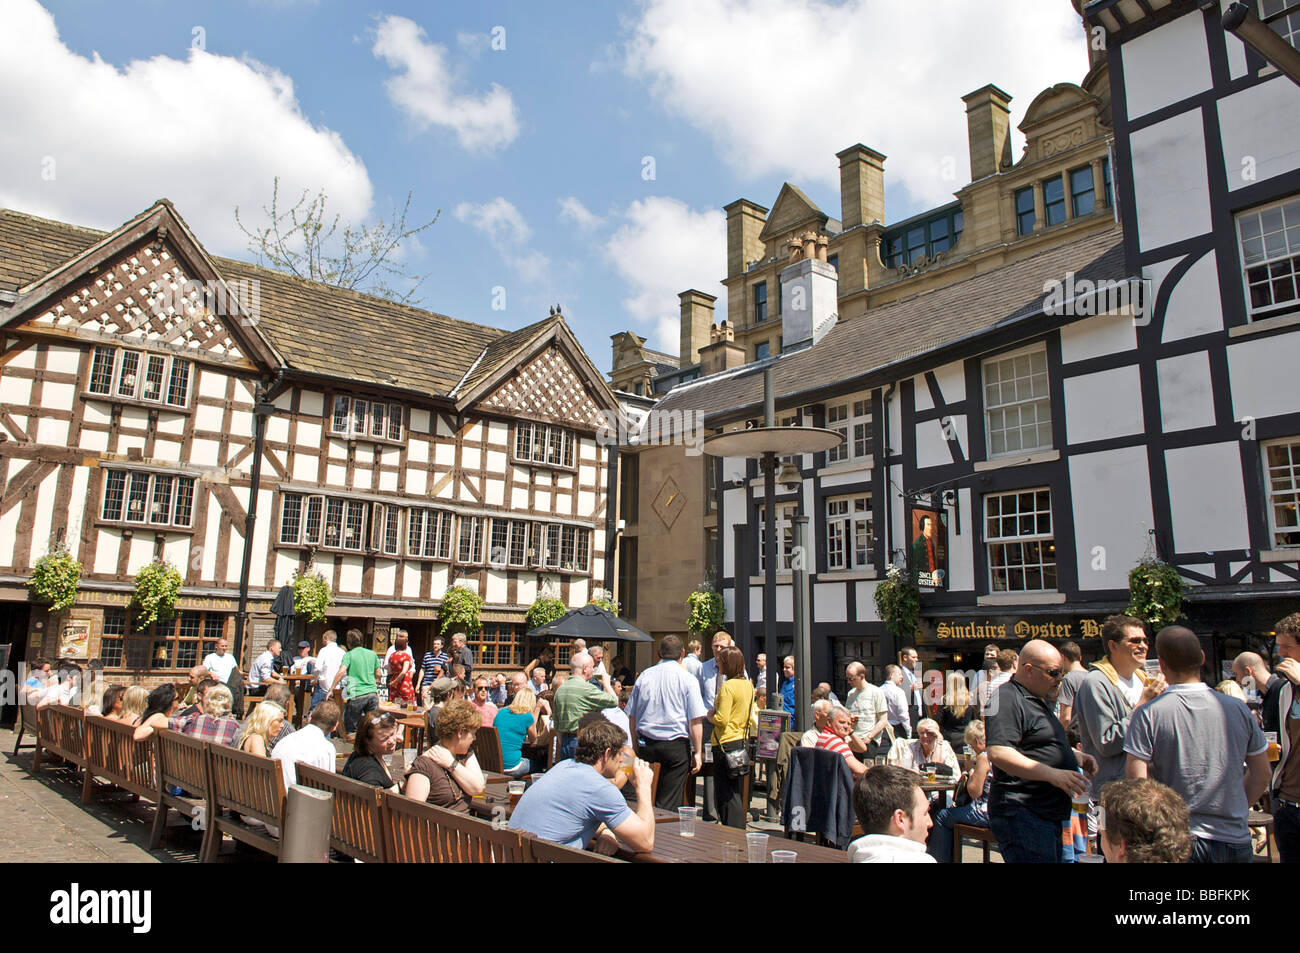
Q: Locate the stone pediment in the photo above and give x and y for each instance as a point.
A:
(792, 210)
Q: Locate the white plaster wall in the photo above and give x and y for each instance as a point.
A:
(922, 393)
(97, 440)
(495, 494)
(107, 547)
(830, 602)
(1236, 49)
(52, 432)
(211, 541)
(77, 507)
(58, 396)
(865, 596)
(212, 384)
(141, 554)
(932, 446)
(385, 577)
(168, 450)
(417, 451)
(1103, 405)
(351, 574)
(234, 561)
(1263, 375)
(784, 603)
(444, 454)
(177, 552)
(1097, 336)
(308, 435)
(952, 381)
(62, 360)
(1170, 180)
(961, 558)
(1166, 65)
(1186, 397)
(1194, 304)
(43, 527)
(1111, 493)
(286, 562)
(526, 590)
(208, 418)
(1258, 142)
(305, 467)
(1206, 497)
(419, 420)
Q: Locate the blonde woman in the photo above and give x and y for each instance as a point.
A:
(134, 702)
(1230, 688)
(974, 813)
(956, 711)
(260, 728)
(517, 726)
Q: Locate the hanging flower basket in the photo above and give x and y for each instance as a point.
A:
(157, 587)
(898, 602)
(603, 599)
(460, 611)
(707, 611)
(1155, 593)
(55, 578)
(312, 596)
(543, 612)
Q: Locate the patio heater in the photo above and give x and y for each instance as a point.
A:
(765, 444)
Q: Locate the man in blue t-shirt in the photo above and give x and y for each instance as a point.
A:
(577, 798)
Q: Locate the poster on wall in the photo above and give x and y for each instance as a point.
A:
(929, 552)
(74, 639)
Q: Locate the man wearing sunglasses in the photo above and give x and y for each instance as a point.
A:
(1114, 688)
(1035, 773)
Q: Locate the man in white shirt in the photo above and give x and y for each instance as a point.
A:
(692, 662)
(896, 701)
(1007, 661)
(868, 704)
(327, 666)
(821, 709)
(598, 671)
(61, 689)
(221, 664)
(760, 678)
(311, 745)
(262, 672)
(913, 685)
(895, 813)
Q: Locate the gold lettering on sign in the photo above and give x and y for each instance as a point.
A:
(1090, 628)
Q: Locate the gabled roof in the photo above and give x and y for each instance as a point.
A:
(868, 350)
(790, 210)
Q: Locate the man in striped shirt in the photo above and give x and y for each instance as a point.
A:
(835, 735)
(433, 667)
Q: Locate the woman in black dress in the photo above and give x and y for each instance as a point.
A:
(376, 739)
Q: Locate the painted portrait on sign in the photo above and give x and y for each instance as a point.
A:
(929, 563)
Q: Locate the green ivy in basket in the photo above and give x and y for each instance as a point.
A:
(898, 602)
(707, 611)
(543, 612)
(54, 579)
(157, 586)
(460, 611)
(1155, 593)
(312, 596)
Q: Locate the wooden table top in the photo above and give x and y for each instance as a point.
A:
(706, 847)
(498, 794)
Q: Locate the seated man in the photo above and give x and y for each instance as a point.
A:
(894, 811)
(197, 674)
(35, 684)
(262, 672)
(311, 745)
(213, 723)
(62, 687)
(821, 715)
(575, 798)
(835, 737)
(1143, 822)
(199, 690)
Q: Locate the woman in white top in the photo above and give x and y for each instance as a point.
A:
(929, 747)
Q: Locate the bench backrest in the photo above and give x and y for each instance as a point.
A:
(417, 832)
(247, 784)
(60, 729)
(112, 753)
(487, 749)
(548, 852)
(357, 825)
(182, 761)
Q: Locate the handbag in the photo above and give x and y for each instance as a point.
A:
(737, 755)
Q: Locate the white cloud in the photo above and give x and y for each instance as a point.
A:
(209, 132)
(782, 87)
(662, 248)
(572, 210)
(425, 89)
(508, 233)
(473, 44)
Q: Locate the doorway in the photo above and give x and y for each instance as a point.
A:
(14, 620)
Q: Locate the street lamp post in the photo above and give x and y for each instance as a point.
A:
(766, 443)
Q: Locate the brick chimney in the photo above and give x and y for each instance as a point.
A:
(988, 124)
(697, 322)
(722, 353)
(862, 186)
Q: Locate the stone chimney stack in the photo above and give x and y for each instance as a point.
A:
(722, 352)
(697, 323)
(809, 295)
(745, 222)
(988, 124)
(862, 186)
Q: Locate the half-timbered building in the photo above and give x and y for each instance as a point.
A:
(403, 451)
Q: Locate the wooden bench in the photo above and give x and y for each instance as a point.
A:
(417, 832)
(487, 748)
(182, 761)
(982, 834)
(357, 827)
(548, 852)
(113, 754)
(250, 786)
(59, 731)
(29, 724)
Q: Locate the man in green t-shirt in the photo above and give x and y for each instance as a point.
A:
(361, 667)
(577, 697)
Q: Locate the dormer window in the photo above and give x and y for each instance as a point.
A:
(137, 375)
(544, 444)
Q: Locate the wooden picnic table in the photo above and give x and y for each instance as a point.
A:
(706, 847)
(498, 795)
(299, 684)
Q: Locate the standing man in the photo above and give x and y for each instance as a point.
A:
(692, 662)
(709, 670)
(577, 697)
(1252, 674)
(327, 665)
(1109, 695)
(787, 684)
(460, 653)
(1195, 740)
(1073, 679)
(224, 667)
(1286, 777)
(913, 685)
(900, 725)
(666, 720)
(361, 666)
(263, 673)
(1035, 773)
(1004, 665)
(870, 710)
(432, 667)
(598, 658)
(990, 655)
(760, 663)
(539, 683)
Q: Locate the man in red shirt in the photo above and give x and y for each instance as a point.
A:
(835, 735)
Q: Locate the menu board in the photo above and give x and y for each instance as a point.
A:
(771, 725)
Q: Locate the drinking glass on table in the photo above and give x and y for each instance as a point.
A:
(756, 847)
(784, 856)
(516, 791)
(687, 816)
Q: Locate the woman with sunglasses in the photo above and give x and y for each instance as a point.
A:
(375, 740)
(448, 775)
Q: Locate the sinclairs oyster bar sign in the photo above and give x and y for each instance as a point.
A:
(1019, 629)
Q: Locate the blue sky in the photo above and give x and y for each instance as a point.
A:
(585, 163)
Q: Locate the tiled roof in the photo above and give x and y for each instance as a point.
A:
(857, 349)
(319, 329)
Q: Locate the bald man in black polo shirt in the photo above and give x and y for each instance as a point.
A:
(1035, 772)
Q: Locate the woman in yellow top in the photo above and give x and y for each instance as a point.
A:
(730, 716)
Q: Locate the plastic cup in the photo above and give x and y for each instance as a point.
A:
(733, 854)
(687, 816)
(516, 790)
(1080, 803)
(756, 848)
(1152, 667)
(784, 856)
(1089, 859)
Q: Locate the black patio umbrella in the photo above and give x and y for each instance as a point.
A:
(593, 624)
(285, 620)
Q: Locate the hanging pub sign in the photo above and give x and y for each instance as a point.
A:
(929, 552)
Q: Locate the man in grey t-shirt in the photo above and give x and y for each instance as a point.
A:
(1195, 740)
(1075, 673)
